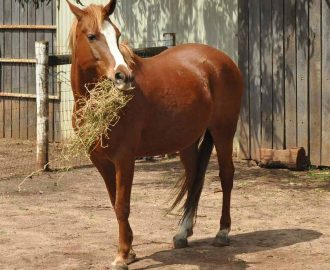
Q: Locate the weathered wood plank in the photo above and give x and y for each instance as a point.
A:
(23, 78)
(325, 83)
(254, 77)
(26, 96)
(243, 63)
(315, 82)
(302, 74)
(48, 19)
(26, 27)
(31, 14)
(266, 74)
(278, 74)
(7, 69)
(290, 74)
(2, 45)
(15, 118)
(57, 116)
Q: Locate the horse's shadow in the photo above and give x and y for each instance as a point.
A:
(202, 254)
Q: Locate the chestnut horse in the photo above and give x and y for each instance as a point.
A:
(186, 99)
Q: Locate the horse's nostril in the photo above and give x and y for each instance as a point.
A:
(120, 77)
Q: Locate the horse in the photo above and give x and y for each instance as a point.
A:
(186, 99)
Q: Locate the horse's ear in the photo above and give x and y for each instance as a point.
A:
(76, 10)
(109, 8)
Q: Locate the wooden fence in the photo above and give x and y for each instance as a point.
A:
(284, 54)
(19, 29)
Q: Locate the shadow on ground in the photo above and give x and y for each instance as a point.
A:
(202, 254)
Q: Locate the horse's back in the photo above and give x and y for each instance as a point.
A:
(203, 61)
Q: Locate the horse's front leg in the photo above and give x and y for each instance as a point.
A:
(124, 179)
(107, 169)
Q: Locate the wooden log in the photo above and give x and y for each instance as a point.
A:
(293, 158)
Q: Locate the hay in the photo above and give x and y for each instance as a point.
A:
(98, 114)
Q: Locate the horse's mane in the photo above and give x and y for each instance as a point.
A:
(94, 13)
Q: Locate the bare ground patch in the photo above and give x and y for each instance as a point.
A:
(280, 220)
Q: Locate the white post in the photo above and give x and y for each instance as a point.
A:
(169, 39)
(42, 104)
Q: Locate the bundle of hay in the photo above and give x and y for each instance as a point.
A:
(97, 114)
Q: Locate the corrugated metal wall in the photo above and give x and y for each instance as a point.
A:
(143, 22)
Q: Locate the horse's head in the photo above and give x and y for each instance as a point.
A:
(94, 44)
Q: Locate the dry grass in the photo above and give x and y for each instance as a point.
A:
(97, 115)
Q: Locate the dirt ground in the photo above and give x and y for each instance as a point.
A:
(18, 158)
(63, 220)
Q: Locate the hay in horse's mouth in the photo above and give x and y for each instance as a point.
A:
(97, 115)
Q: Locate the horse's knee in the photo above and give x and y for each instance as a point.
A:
(122, 213)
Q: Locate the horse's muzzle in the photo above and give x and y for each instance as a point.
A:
(123, 78)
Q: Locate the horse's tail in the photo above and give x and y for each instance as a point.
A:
(194, 189)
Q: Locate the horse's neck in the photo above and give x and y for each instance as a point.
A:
(137, 67)
(80, 80)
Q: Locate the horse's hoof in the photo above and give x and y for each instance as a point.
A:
(180, 243)
(131, 258)
(221, 240)
(121, 266)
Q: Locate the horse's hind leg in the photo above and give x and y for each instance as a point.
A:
(188, 158)
(223, 141)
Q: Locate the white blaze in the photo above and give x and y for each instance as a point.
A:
(110, 35)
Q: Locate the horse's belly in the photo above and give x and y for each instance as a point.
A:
(168, 132)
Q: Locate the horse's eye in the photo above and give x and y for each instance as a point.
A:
(91, 37)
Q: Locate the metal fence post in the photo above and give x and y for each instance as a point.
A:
(169, 39)
(42, 57)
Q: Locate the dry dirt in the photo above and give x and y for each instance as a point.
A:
(63, 220)
(18, 157)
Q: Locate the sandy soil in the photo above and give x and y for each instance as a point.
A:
(18, 158)
(64, 221)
